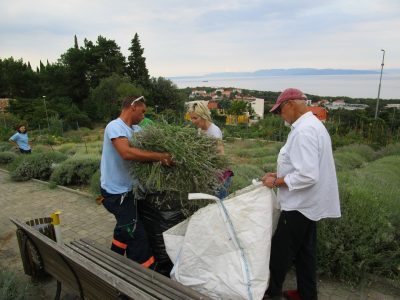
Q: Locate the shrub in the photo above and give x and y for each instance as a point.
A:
(348, 161)
(366, 240)
(68, 148)
(40, 149)
(11, 287)
(365, 151)
(38, 165)
(7, 157)
(76, 170)
(5, 146)
(95, 183)
(391, 149)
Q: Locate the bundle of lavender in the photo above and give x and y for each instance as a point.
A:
(198, 166)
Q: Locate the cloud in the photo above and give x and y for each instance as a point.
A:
(185, 37)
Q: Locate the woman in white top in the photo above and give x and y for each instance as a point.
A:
(200, 116)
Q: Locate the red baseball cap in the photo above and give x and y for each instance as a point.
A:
(288, 94)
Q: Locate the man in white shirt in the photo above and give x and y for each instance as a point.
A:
(307, 192)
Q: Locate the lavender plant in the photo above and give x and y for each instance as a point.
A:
(198, 167)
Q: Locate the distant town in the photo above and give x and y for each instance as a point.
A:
(216, 97)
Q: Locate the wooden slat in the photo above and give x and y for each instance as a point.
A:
(135, 281)
(96, 282)
(130, 269)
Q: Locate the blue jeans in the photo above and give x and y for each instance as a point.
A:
(223, 192)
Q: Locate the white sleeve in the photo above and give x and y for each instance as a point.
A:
(304, 158)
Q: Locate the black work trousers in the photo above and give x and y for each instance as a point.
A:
(130, 237)
(294, 242)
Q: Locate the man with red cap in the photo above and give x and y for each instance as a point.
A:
(307, 191)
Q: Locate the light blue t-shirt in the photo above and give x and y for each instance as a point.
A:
(22, 140)
(115, 178)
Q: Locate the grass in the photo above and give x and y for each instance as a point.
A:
(365, 240)
(12, 287)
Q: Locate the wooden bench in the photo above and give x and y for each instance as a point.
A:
(93, 271)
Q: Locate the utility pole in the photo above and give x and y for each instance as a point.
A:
(45, 109)
(380, 81)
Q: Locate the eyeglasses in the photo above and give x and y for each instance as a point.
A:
(141, 99)
(279, 109)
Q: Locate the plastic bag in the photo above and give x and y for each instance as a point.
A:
(223, 250)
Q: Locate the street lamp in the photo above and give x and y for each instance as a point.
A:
(380, 81)
(45, 109)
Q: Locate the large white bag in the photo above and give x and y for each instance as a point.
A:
(223, 250)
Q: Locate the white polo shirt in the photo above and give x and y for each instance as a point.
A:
(307, 165)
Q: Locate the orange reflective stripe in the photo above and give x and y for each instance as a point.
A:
(119, 244)
(149, 262)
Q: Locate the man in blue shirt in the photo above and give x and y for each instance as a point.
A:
(117, 184)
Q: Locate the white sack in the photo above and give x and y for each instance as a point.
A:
(226, 258)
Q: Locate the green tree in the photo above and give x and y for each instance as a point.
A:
(238, 107)
(54, 80)
(136, 68)
(165, 94)
(104, 59)
(17, 79)
(104, 101)
(225, 104)
(76, 68)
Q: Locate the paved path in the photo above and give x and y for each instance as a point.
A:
(82, 217)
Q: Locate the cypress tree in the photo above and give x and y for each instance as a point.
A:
(76, 42)
(136, 68)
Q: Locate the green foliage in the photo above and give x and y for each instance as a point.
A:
(196, 158)
(391, 149)
(37, 165)
(77, 61)
(244, 174)
(7, 157)
(136, 68)
(270, 128)
(17, 79)
(104, 59)
(68, 148)
(164, 93)
(238, 107)
(104, 102)
(251, 159)
(6, 146)
(76, 170)
(12, 287)
(40, 148)
(366, 240)
(95, 183)
(198, 166)
(353, 156)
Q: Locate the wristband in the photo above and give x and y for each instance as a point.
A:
(274, 183)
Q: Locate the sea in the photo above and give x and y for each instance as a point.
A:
(354, 86)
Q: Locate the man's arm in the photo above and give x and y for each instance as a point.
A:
(271, 180)
(127, 152)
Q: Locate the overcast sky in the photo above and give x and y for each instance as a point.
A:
(194, 37)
